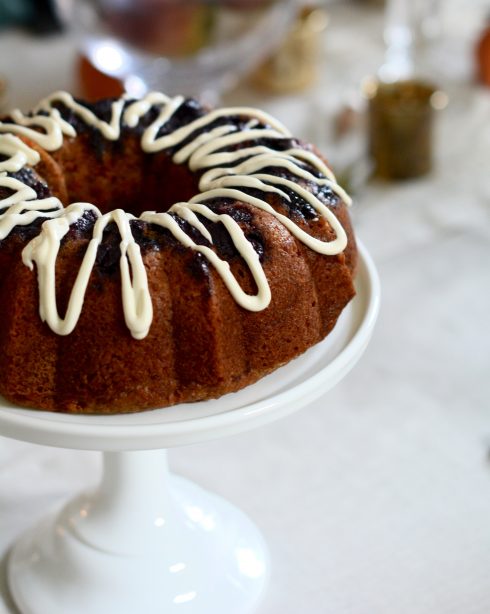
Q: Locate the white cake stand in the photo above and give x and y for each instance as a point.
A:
(149, 542)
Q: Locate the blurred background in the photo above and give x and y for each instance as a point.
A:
(367, 79)
(376, 499)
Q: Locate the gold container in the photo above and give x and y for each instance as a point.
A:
(294, 65)
(400, 119)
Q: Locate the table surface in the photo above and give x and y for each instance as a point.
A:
(376, 498)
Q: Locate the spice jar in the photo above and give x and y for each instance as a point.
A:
(400, 119)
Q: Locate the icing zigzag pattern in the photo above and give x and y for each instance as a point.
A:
(226, 174)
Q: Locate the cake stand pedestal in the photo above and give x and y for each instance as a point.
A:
(145, 540)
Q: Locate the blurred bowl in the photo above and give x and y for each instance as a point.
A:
(196, 48)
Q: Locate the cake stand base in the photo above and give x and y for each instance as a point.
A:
(144, 541)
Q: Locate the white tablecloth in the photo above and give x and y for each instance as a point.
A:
(383, 501)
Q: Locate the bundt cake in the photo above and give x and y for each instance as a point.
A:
(217, 248)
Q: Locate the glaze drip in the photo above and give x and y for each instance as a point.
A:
(230, 168)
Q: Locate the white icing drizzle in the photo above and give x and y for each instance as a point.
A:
(53, 124)
(22, 207)
(244, 247)
(43, 251)
(225, 174)
(110, 131)
(19, 154)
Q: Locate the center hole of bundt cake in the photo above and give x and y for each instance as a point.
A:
(129, 180)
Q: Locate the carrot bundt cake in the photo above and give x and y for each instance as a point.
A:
(154, 252)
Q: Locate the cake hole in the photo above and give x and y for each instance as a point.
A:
(122, 176)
